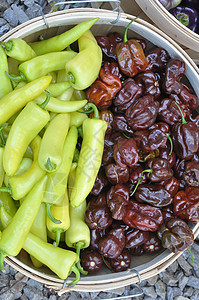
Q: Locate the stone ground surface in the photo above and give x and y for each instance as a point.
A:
(180, 281)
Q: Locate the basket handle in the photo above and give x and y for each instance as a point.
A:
(117, 8)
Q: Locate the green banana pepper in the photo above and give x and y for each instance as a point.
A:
(5, 83)
(7, 202)
(56, 89)
(52, 144)
(24, 129)
(17, 99)
(77, 118)
(60, 42)
(18, 49)
(83, 69)
(90, 158)
(14, 235)
(60, 261)
(21, 184)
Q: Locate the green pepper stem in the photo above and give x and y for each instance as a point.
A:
(2, 257)
(105, 262)
(79, 246)
(50, 166)
(8, 45)
(48, 205)
(71, 77)
(171, 143)
(125, 33)
(147, 171)
(43, 104)
(6, 189)
(85, 112)
(94, 109)
(126, 136)
(183, 18)
(75, 270)
(19, 78)
(192, 259)
(57, 232)
(183, 119)
(2, 135)
(138, 182)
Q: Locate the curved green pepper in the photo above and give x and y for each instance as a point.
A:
(77, 118)
(56, 89)
(60, 42)
(17, 99)
(24, 129)
(7, 202)
(83, 69)
(18, 49)
(14, 235)
(21, 184)
(90, 159)
(5, 83)
(52, 144)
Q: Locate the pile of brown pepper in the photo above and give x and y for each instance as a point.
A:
(148, 186)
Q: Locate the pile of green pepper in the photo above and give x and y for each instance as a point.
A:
(44, 178)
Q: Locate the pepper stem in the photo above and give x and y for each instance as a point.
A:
(77, 278)
(6, 189)
(106, 263)
(126, 136)
(78, 247)
(140, 180)
(71, 77)
(183, 18)
(125, 33)
(8, 45)
(19, 78)
(2, 135)
(48, 205)
(94, 109)
(43, 104)
(192, 259)
(2, 257)
(50, 166)
(57, 232)
(171, 144)
(183, 119)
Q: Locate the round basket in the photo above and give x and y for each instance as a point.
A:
(153, 12)
(145, 266)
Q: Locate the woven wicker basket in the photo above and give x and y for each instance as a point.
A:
(146, 265)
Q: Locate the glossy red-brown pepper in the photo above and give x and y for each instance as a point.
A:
(131, 58)
(113, 68)
(146, 155)
(135, 238)
(186, 204)
(115, 174)
(185, 139)
(168, 213)
(149, 82)
(153, 244)
(125, 152)
(95, 236)
(100, 183)
(152, 138)
(175, 235)
(137, 251)
(161, 169)
(112, 244)
(175, 69)
(169, 113)
(98, 215)
(103, 90)
(171, 185)
(120, 124)
(136, 173)
(157, 60)
(142, 113)
(117, 200)
(91, 261)
(153, 194)
(188, 98)
(129, 92)
(165, 153)
(122, 262)
(191, 173)
(143, 216)
(108, 44)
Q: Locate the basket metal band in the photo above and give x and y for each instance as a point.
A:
(117, 8)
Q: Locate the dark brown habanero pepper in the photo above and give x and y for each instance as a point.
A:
(100, 183)
(122, 262)
(120, 124)
(149, 82)
(175, 69)
(142, 113)
(191, 173)
(188, 98)
(125, 152)
(135, 238)
(129, 92)
(160, 169)
(117, 200)
(130, 56)
(116, 174)
(108, 44)
(166, 154)
(185, 137)
(186, 204)
(175, 235)
(154, 195)
(157, 60)
(143, 216)
(169, 113)
(103, 89)
(153, 244)
(91, 260)
(171, 185)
